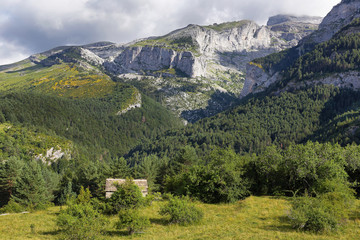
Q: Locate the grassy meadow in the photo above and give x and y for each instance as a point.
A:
(252, 218)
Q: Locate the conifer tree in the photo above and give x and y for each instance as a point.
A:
(10, 171)
(31, 188)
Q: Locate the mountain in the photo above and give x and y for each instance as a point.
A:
(65, 92)
(265, 72)
(197, 51)
(308, 92)
(196, 71)
(105, 98)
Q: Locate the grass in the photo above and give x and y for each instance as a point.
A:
(253, 218)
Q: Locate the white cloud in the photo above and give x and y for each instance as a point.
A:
(29, 26)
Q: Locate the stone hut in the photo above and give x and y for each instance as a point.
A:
(111, 186)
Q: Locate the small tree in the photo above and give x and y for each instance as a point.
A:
(84, 196)
(128, 195)
(81, 221)
(324, 212)
(67, 194)
(131, 219)
(181, 211)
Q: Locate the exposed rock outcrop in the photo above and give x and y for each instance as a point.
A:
(135, 104)
(54, 154)
(282, 18)
(257, 80)
(341, 15)
(196, 71)
(150, 59)
(229, 44)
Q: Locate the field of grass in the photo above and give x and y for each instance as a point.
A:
(253, 218)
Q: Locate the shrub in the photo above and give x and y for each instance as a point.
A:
(84, 196)
(131, 219)
(221, 180)
(181, 211)
(81, 221)
(310, 214)
(322, 213)
(127, 195)
(12, 207)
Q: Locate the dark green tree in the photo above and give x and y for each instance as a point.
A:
(31, 189)
(10, 171)
(119, 168)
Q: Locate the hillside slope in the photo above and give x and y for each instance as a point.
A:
(333, 44)
(66, 91)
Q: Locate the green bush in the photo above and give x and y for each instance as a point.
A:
(181, 211)
(324, 212)
(131, 219)
(81, 221)
(220, 180)
(127, 195)
(310, 214)
(12, 207)
(84, 196)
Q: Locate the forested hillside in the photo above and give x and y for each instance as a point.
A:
(339, 54)
(260, 121)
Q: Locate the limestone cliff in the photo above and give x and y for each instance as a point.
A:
(149, 59)
(201, 51)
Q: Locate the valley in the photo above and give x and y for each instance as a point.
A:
(241, 131)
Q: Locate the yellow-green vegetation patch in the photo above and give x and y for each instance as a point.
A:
(171, 71)
(67, 80)
(256, 64)
(252, 218)
(29, 141)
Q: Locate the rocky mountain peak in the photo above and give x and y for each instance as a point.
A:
(258, 79)
(340, 16)
(282, 18)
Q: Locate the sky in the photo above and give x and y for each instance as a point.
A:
(33, 26)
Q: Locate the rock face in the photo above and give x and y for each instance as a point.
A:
(136, 104)
(278, 19)
(150, 59)
(342, 14)
(257, 80)
(230, 45)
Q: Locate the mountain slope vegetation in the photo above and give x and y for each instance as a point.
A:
(259, 121)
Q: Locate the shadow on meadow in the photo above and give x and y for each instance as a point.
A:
(160, 221)
(283, 225)
(50, 233)
(115, 233)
